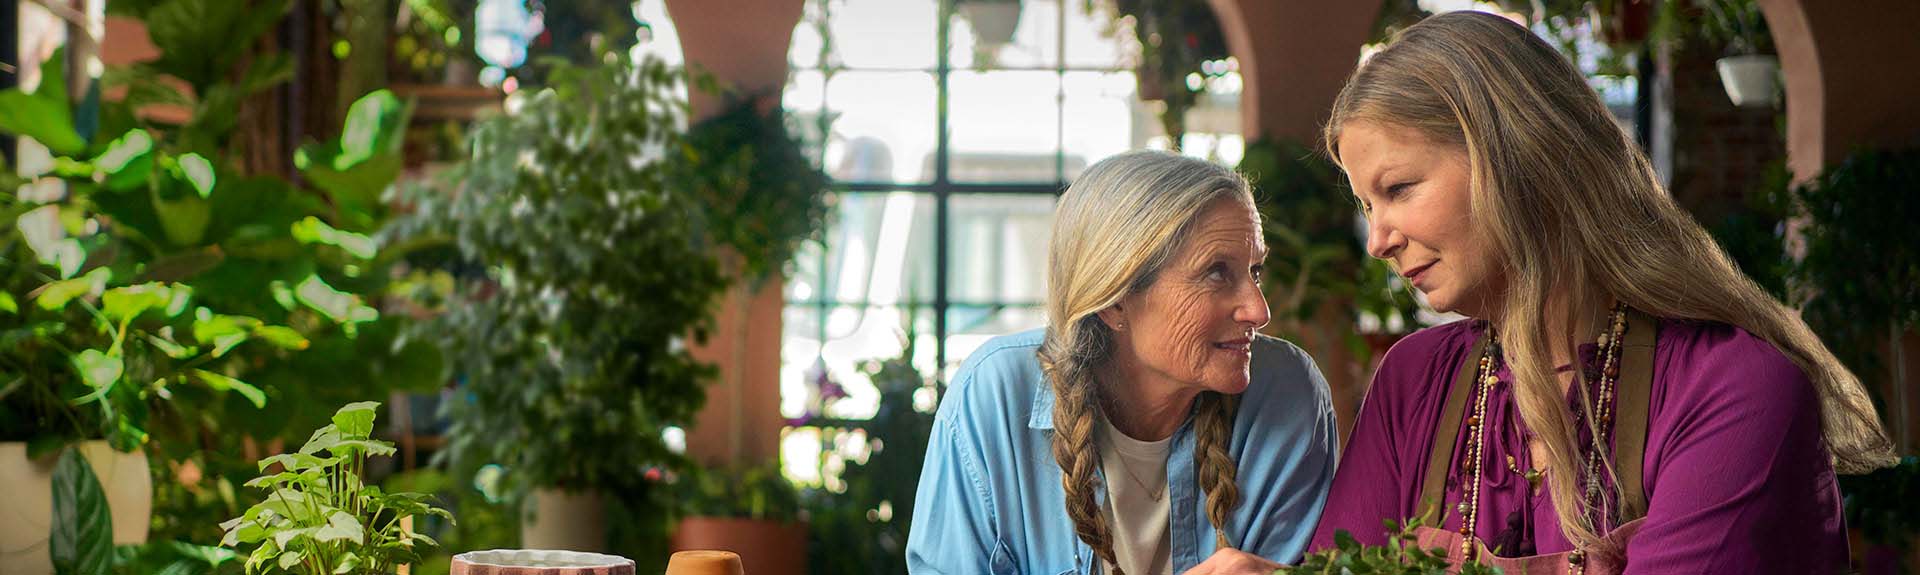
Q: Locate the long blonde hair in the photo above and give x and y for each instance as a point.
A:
(1577, 215)
(1113, 231)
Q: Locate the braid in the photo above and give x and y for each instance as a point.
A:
(1217, 470)
(1076, 412)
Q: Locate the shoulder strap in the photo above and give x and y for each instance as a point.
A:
(1634, 391)
(1434, 490)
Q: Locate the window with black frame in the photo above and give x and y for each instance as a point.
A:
(950, 130)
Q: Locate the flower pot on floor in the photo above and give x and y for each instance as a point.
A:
(765, 547)
(26, 512)
(561, 520)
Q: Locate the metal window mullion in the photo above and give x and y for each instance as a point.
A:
(940, 192)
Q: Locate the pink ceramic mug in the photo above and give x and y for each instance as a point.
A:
(539, 562)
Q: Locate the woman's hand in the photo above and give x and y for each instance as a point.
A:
(1229, 561)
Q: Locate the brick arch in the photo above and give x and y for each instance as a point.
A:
(1850, 76)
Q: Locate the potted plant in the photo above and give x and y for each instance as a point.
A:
(578, 271)
(164, 287)
(751, 511)
(1750, 72)
(320, 517)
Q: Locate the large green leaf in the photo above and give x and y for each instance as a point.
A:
(183, 217)
(341, 526)
(200, 40)
(357, 169)
(339, 306)
(100, 370)
(224, 383)
(313, 231)
(82, 539)
(56, 295)
(128, 302)
(45, 114)
(355, 420)
(196, 170)
(128, 161)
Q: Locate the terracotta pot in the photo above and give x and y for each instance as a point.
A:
(26, 513)
(765, 547)
(558, 519)
(705, 563)
(539, 562)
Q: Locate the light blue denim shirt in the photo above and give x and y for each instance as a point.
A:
(990, 499)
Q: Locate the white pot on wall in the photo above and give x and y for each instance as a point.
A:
(1751, 80)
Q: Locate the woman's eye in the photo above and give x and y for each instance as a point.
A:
(1395, 190)
(1217, 273)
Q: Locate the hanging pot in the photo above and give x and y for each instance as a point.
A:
(1751, 80)
(993, 22)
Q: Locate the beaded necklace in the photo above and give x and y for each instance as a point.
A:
(1484, 379)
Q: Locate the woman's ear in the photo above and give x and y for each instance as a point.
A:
(1115, 317)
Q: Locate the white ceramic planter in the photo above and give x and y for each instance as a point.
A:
(26, 509)
(539, 562)
(1752, 80)
(565, 521)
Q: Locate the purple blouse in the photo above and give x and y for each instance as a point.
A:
(1737, 479)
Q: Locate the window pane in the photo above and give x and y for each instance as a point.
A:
(883, 126)
(827, 350)
(1096, 40)
(998, 248)
(1005, 126)
(1005, 35)
(892, 34)
(971, 325)
(878, 251)
(1103, 118)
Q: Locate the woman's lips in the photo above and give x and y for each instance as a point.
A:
(1242, 345)
(1416, 274)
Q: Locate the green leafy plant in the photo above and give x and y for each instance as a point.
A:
(169, 286)
(862, 528)
(1177, 38)
(1858, 212)
(1400, 556)
(1885, 504)
(319, 518)
(578, 269)
(762, 194)
(748, 492)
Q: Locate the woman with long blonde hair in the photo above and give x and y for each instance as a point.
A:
(1623, 398)
(1148, 429)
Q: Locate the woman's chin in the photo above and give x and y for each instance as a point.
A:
(1231, 384)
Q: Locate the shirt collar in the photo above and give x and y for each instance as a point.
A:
(1041, 416)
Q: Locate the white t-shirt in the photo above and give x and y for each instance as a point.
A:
(1137, 506)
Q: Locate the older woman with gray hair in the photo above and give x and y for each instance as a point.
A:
(1149, 429)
